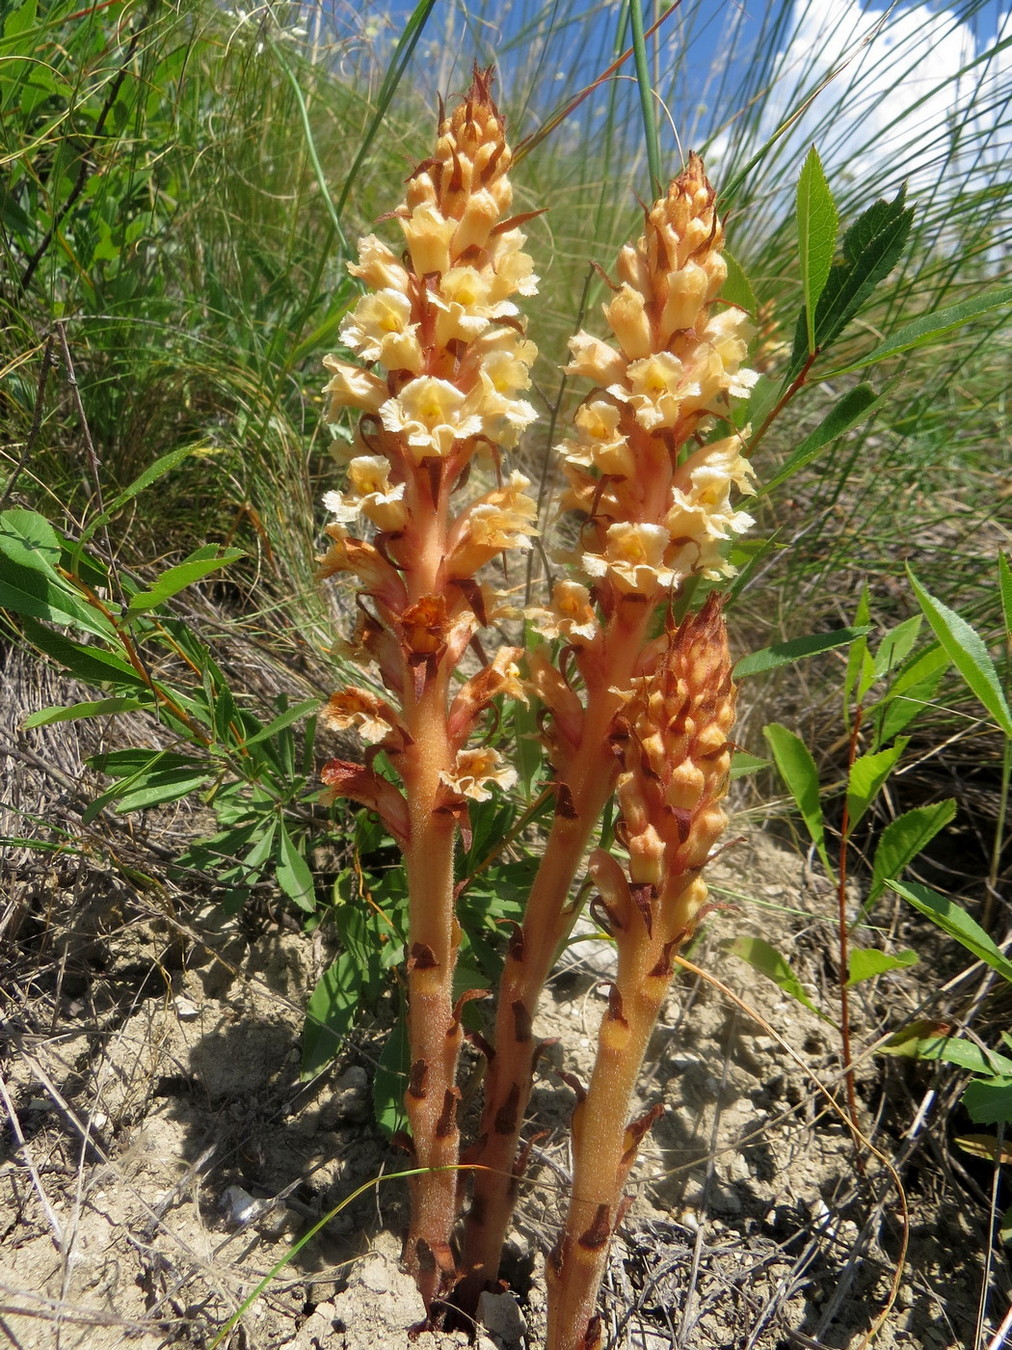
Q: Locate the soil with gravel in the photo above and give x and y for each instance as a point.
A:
(162, 1158)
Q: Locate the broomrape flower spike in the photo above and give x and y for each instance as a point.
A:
(648, 717)
(442, 365)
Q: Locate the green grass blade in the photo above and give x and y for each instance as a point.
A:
(647, 112)
(406, 44)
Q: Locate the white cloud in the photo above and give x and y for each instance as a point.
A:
(902, 97)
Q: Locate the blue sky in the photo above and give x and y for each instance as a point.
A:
(895, 107)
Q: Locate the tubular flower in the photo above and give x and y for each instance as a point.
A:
(502, 519)
(673, 731)
(446, 317)
(672, 365)
(372, 717)
(475, 770)
(571, 615)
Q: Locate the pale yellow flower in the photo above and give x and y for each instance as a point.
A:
(464, 305)
(380, 329)
(357, 709)
(351, 387)
(701, 514)
(431, 415)
(501, 373)
(378, 265)
(687, 293)
(601, 444)
(571, 615)
(429, 235)
(627, 315)
(658, 387)
(633, 557)
(595, 360)
(371, 495)
(512, 269)
(502, 519)
(475, 770)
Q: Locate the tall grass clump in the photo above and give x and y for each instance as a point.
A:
(535, 566)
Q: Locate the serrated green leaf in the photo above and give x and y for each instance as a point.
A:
(817, 220)
(737, 289)
(956, 922)
(989, 1101)
(743, 764)
(797, 768)
(104, 707)
(867, 962)
(871, 248)
(331, 1013)
(797, 649)
(910, 692)
(854, 407)
(930, 327)
(896, 645)
(867, 775)
(199, 564)
(294, 875)
(165, 464)
(764, 958)
(903, 839)
(967, 652)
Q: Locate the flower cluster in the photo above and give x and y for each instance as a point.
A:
(655, 515)
(676, 762)
(442, 322)
(442, 365)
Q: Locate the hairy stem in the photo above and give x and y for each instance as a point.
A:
(590, 780)
(433, 1031)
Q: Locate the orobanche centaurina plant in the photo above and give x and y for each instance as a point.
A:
(634, 689)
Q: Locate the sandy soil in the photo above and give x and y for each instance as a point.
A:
(162, 1156)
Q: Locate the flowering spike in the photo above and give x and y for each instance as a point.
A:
(440, 364)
